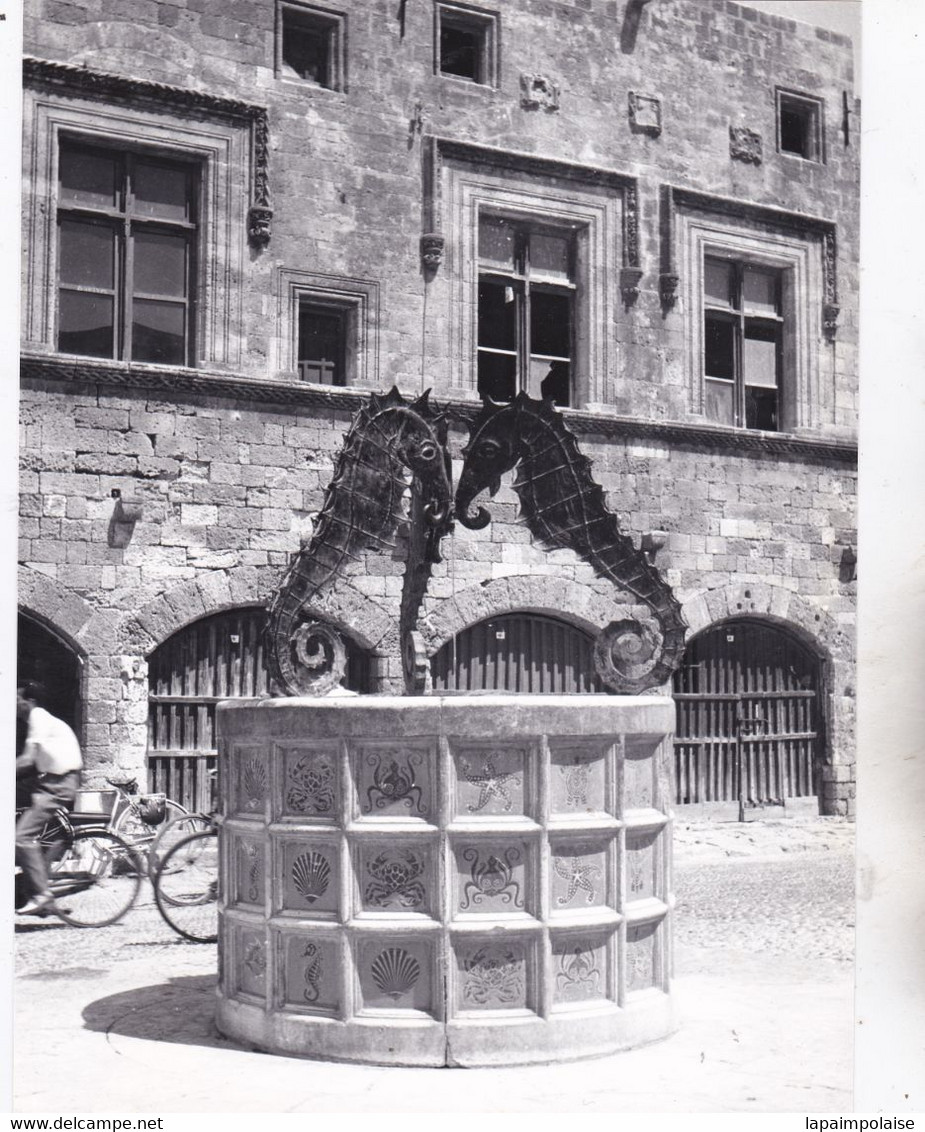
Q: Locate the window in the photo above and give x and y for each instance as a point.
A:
(310, 45)
(525, 310)
(322, 344)
(799, 126)
(467, 44)
(742, 344)
(127, 227)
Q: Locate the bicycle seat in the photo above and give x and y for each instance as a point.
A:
(130, 785)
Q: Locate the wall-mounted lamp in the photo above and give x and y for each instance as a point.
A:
(848, 567)
(652, 542)
(125, 515)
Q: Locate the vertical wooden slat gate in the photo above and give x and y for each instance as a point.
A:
(517, 652)
(220, 657)
(748, 733)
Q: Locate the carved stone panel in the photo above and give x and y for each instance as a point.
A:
(251, 770)
(642, 879)
(396, 974)
(310, 968)
(494, 877)
(309, 876)
(578, 782)
(396, 877)
(394, 780)
(642, 956)
(745, 145)
(580, 875)
(490, 781)
(494, 974)
(309, 787)
(251, 962)
(639, 775)
(645, 114)
(581, 968)
(248, 871)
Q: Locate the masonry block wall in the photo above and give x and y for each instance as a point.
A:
(229, 479)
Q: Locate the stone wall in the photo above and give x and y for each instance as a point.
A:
(228, 483)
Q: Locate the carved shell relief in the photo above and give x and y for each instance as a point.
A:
(395, 972)
(254, 780)
(311, 876)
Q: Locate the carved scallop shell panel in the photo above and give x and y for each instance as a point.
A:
(581, 968)
(310, 784)
(311, 973)
(396, 974)
(396, 877)
(310, 877)
(494, 877)
(580, 876)
(578, 782)
(252, 780)
(493, 974)
(394, 780)
(642, 954)
(491, 781)
(641, 863)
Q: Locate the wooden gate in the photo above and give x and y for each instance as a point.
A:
(220, 657)
(517, 652)
(748, 734)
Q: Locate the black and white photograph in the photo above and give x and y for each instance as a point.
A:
(437, 584)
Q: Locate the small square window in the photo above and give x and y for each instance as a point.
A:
(799, 126)
(322, 343)
(466, 47)
(310, 45)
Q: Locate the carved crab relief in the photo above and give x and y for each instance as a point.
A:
(395, 880)
(494, 975)
(311, 784)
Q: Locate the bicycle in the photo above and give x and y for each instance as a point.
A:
(92, 870)
(186, 886)
(143, 820)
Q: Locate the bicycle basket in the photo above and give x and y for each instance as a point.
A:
(152, 808)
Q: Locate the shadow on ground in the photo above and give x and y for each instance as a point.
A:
(180, 1011)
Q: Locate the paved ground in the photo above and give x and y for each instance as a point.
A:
(764, 940)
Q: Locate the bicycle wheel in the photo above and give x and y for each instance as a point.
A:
(186, 887)
(97, 879)
(129, 824)
(170, 833)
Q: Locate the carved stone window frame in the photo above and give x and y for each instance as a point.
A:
(599, 206)
(487, 23)
(358, 299)
(227, 140)
(815, 110)
(333, 24)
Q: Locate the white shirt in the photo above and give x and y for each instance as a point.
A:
(51, 744)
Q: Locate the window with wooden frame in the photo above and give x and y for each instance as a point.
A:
(799, 126)
(127, 242)
(310, 45)
(467, 43)
(526, 309)
(323, 343)
(743, 333)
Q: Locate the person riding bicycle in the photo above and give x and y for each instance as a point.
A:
(52, 754)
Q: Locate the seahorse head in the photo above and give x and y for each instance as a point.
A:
(492, 450)
(420, 444)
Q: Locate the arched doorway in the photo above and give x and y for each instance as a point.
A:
(748, 722)
(43, 656)
(517, 652)
(217, 658)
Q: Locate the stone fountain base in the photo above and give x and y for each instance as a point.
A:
(458, 880)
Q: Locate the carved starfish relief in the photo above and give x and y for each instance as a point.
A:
(491, 784)
(579, 875)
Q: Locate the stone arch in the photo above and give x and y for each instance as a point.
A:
(61, 610)
(832, 644)
(572, 601)
(344, 606)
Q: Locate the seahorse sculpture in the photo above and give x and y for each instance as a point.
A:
(564, 507)
(362, 508)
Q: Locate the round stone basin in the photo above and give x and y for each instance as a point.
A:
(445, 880)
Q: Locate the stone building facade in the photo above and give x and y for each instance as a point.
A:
(241, 217)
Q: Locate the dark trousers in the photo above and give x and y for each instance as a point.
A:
(49, 792)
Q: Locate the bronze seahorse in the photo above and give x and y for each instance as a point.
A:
(564, 507)
(362, 509)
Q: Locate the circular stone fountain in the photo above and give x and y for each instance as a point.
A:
(445, 880)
